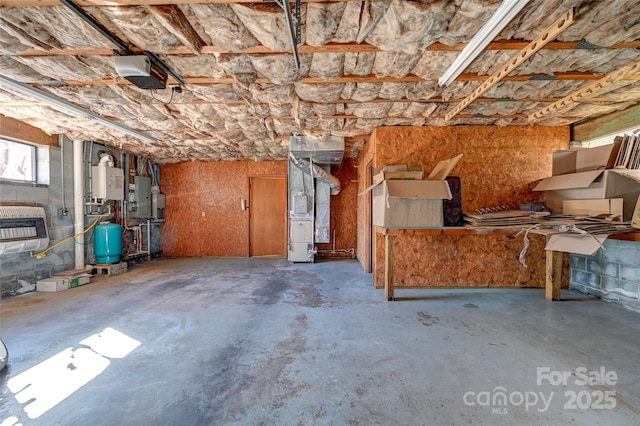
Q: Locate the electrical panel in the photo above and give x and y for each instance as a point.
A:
(107, 183)
(300, 204)
(158, 203)
(142, 197)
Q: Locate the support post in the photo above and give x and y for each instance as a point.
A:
(388, 266)
(553, 275)
(78, 201)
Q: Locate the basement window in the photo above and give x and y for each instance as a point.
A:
(22, 162)
(17, 161)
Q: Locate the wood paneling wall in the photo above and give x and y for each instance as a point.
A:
(500, 167)
(343, 208)
(203, 211)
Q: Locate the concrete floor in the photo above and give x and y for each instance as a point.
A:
(260, 341)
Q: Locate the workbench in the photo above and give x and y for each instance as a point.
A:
(553, 267)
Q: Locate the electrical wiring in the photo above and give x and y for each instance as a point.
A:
(43, 253)
(154, 93)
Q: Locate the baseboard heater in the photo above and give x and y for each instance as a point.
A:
(22, 228)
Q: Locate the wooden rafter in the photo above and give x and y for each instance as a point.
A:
(327, 48)
(172, 18)
(535, 45)
(411, 78)
(87, 3)
(596, 88)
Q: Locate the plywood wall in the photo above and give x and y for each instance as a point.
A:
(203, 206)
(463, 261)
(500, 167)
(204, 216)
(343, 208)
(500, 164)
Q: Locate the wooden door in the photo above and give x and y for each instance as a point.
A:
(267, 216)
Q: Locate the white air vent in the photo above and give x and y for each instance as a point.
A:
(22, 229)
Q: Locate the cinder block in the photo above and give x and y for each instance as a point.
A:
(626, 254)
(602, 268)
(587, 279)
(593, 292)
(577, 261)
(31, 194)
(630, 273)
(621, 287)
(8, 192)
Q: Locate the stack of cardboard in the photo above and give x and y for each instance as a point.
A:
(502, 219)
(402, 199)
(629, 153)
(586, 177)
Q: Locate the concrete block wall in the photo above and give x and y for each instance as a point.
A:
(613, 274)
(19, 272)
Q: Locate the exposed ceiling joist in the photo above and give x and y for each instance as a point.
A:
(224, 49)
(597, 88)
(327, 48)
(549, 34)
(565, 76)
(172, 18)
(87, 3)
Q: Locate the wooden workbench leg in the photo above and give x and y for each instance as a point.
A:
(388, 266)
(553, 274)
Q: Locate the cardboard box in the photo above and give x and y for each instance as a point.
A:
(585, 159)
(576, 243)
(409, 203)
(399, 172)
(52, 285)
(609, 206)
(599, 184)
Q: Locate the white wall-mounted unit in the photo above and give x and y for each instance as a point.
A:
(22, 228)
(107, 183)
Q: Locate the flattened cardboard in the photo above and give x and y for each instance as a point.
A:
(569, 181)
(444, 168)
(585, 159)
(598, 184)
(610, 206)
(576, 243)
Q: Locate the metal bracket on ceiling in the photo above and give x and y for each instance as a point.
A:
(294, 21)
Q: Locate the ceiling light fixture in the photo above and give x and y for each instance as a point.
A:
(69, 108)
(502, 16)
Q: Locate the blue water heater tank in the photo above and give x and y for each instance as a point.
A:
(107, 243)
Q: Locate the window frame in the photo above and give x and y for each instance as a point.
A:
(34, 162)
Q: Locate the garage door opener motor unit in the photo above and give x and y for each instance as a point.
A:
(139, 70)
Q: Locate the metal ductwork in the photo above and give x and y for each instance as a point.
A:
(323, 151)
(318, 173)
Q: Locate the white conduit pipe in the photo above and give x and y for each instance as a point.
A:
(318, 173)
(78, 201)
